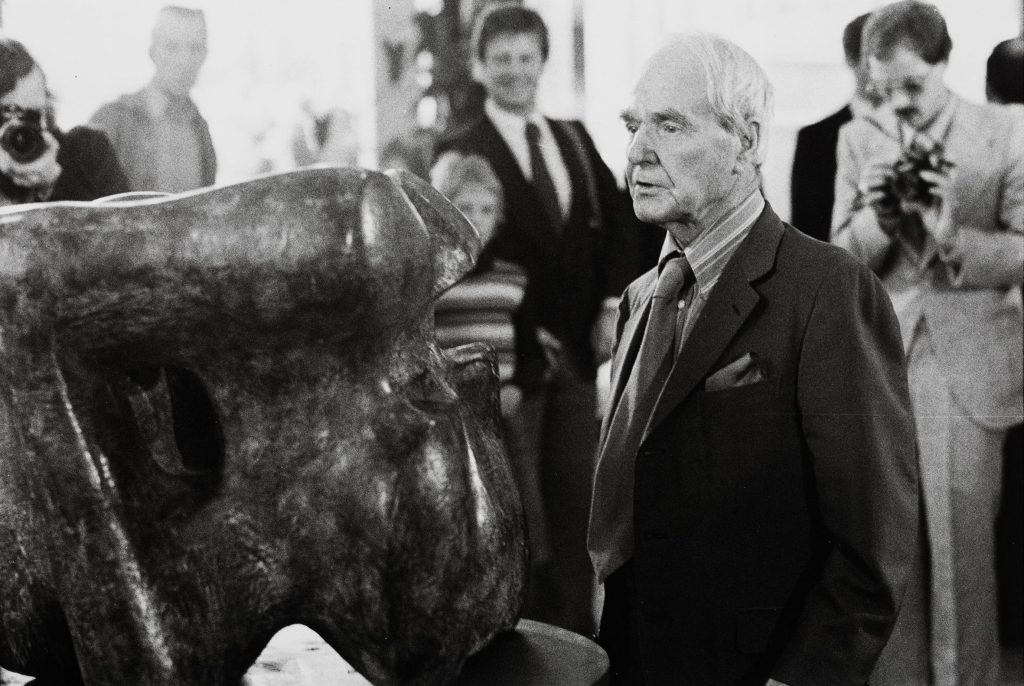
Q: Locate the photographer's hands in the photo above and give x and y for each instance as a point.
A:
(875, 188)
(936, 215)
(39, 175)
(910, 219)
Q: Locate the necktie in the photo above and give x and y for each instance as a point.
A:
(610, 538)
(542, 178)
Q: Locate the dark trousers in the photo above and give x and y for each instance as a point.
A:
(560, 425)
(618, 633)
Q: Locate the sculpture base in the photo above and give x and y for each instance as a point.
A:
(537, 654)
(533, 654)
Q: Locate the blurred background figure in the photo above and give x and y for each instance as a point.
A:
(1004, 84)
(814, 160)
(570, 227)
(38, 161)
(160, 137)
(488, 305)
(412, 152)
(930, 194)
(1004, 73)
(324, 136)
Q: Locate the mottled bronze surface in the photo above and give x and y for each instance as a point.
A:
(224, 412)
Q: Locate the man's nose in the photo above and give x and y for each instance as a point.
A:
(640, 148)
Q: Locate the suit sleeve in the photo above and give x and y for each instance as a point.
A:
(854, 225)
(109, 119)
(856, 420)
(993, 256)
(800, 182)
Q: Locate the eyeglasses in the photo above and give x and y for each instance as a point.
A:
(911, 85)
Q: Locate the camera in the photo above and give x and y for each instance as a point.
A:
(21, 133)
(906, 182)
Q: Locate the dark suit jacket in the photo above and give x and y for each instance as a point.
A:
(775, 521)
(573, 269)
(89, 169)
(812, 191)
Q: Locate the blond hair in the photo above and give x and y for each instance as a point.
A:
(454, 171)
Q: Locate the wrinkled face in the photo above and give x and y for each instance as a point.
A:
(511, 70)
(481, 207)
(909, 85)
(681, 163)
(178, 52)
(29, 92)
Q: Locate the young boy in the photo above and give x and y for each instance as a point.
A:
(488, 305)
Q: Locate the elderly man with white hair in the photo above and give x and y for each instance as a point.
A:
(755, 503)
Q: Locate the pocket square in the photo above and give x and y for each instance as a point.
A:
(741, 372)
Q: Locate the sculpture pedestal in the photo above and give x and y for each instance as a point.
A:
(537, 654)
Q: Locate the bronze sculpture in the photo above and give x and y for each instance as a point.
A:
(223, 412)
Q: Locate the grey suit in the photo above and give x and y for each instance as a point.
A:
(961, 323)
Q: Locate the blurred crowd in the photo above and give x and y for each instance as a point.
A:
(920, 185)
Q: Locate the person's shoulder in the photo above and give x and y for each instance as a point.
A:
(83, 143)
(830, 123)
(812, 260)
(1002, 116)
(85, 135)
(463, 137)
(574, 125)
(126, 101)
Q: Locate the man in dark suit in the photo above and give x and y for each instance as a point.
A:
(812, 187)
(570, 227)
(755, 503)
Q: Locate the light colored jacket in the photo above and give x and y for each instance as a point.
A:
(969, 296)
(130, 126)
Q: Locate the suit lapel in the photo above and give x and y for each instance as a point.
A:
(629, 345)
(522, 202)
(730, 304)
(500, 155)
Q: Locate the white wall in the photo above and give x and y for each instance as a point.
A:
(266, 56)
(799, 42)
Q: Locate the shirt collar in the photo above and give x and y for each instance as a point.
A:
(157, 102)
(861, 107)
(710, 252)
(938, 128)
(511, 123)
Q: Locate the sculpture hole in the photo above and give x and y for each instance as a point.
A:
(197, 430)
(298, 656)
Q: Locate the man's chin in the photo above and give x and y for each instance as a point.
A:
(647, 214)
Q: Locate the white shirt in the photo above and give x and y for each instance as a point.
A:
(512, 128)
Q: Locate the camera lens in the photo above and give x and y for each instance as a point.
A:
(23, 142)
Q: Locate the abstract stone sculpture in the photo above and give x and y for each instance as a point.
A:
(223, 412)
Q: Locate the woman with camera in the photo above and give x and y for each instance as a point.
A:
(38, 162)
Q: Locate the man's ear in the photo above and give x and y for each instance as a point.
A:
(750, 147)
(477, 70)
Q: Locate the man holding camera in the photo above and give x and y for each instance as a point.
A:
(38, 161)
(930, 194)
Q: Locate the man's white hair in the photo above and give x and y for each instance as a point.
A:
(739, 92)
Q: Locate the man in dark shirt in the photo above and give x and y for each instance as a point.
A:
(812, 190)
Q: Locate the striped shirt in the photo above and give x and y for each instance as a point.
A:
(482, 308)
(708, 255)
